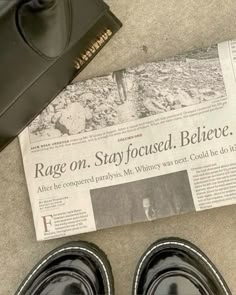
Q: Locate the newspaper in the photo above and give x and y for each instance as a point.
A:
(136, 145)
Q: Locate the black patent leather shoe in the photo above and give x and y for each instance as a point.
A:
(77, 268)
(176, 267)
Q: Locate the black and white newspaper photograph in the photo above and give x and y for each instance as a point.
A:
(132, 94)
(143, 200)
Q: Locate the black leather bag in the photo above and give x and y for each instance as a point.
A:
(44, 44)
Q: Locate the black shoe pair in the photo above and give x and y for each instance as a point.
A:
(169, 267)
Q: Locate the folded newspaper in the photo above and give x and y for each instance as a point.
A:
(136, 145)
